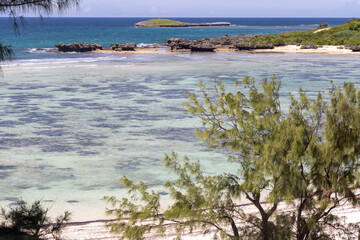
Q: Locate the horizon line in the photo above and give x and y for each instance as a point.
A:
(161, 17)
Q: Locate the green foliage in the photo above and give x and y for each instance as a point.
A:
(11, 234)
(31, 221)
(354, 26)
(338, 35)
(38, 6)
(307, 156)
(353, 20)
(199, 202)
(5, 52)
(160, 21)
(323, 25)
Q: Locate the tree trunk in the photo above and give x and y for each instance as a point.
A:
(302, 228)
(302, 231)
(265, 230)
(265, 227)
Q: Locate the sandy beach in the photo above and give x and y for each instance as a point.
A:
(281, 49)
(320, 50)
(98, 231)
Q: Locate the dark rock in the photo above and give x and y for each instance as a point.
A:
(201, 48)
(309, 46)
(123, 46)
(340, 47)
(96, 46)
(78, 47)
(244, 46)
(227, 41)
(267, 45)
(253, 46)
(355, 48)
(218, 42)
(178, 43)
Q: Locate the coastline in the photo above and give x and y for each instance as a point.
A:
(328, 49)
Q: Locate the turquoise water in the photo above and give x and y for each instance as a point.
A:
(70, 128)
(72, 124)
(46, 33)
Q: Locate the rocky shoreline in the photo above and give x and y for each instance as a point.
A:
(242, 42)
(78, 47)
(237, 42)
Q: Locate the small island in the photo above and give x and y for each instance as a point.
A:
(159, 22)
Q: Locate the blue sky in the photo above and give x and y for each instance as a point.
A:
(217, 8)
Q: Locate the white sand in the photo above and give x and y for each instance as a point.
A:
(98, 231)
(323, 29)
(296, 49)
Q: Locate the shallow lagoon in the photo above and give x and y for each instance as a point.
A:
(70, 127)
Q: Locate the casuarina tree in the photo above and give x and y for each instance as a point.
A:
(306, 156)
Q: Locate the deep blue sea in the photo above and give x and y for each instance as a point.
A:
(71, 125)
(45, 33)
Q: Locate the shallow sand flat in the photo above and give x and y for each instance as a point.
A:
(85, 102)
(98, 231)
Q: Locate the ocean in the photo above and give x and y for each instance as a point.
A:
(73, 124)
(45, 33)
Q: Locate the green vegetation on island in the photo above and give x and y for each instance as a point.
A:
(346, 34)
(161, 22)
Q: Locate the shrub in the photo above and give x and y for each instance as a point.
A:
(323, 25)
(354, 26)
(353, 20)
(11, 234)
(31, 221)
(347, 34)
(338, 35)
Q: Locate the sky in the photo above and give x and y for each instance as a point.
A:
(217, 8)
